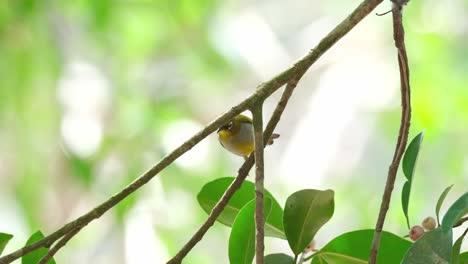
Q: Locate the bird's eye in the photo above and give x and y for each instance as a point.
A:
(229, 126)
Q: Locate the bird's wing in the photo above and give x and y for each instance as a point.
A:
(244, 119)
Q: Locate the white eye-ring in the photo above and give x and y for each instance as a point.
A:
(230, 124)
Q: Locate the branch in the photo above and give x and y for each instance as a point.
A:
(263, 92)
(399, 36)
(215, 212)
(326, 43)
(62, 242)
(461, 221)
(259, 183)
(236, 184)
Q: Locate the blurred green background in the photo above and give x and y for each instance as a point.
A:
(93, 93)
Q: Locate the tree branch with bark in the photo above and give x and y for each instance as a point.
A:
(291, 77)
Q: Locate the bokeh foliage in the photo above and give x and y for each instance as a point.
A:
(164, 66)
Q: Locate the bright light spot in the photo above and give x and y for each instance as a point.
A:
(84, 93)
(83, 88)
(323, 139)
(446, 17)
(176, 134)
(141, 240)
(81, 134)
(256, 42)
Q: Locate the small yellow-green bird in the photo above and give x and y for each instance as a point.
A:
(237, 136)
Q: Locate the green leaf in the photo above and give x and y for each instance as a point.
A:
(458, 209)
(456, 248)
(411, 156)
(4, 239)
(333, 258)
(305, 212)
(242, 238)
(279, 258)
(441, 201)
(212, 192)
(463, 258)
(353, 247)
(36, 255)
(405, 192)
(409, 165)
(433, 247)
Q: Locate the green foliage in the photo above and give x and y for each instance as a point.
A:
(4, 239)
(242, 238)
(463, 258)
(163, 54)
(332, 258)
(405, 193)
(279, 258)
(82, 169)
(436, 246)
(433, 247)
(441, 201)
(458, 209)
(305, 212)
(353, 247)
(409, 165)
(36, 255)
(456, 248)
(212, 192)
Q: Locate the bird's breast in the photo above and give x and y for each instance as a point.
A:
(240, 143)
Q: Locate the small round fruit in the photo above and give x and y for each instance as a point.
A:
(429, 223)
(416, 232)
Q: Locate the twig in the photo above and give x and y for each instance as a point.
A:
(301, 259)
(461, 221)
(62, 242)
(236, 184)
(399, 37)
(259, 183)
(215, 212)
(312, 256)
(264, 91)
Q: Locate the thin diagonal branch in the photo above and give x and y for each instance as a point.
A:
(264, 91)
(399, 36)
(62, 242)
(461, 221)
(237, 183)
(259, 183)
(215, 212)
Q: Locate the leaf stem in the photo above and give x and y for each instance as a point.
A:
(461, 221)
(311, 256)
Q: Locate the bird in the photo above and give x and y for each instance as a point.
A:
(237, 136)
